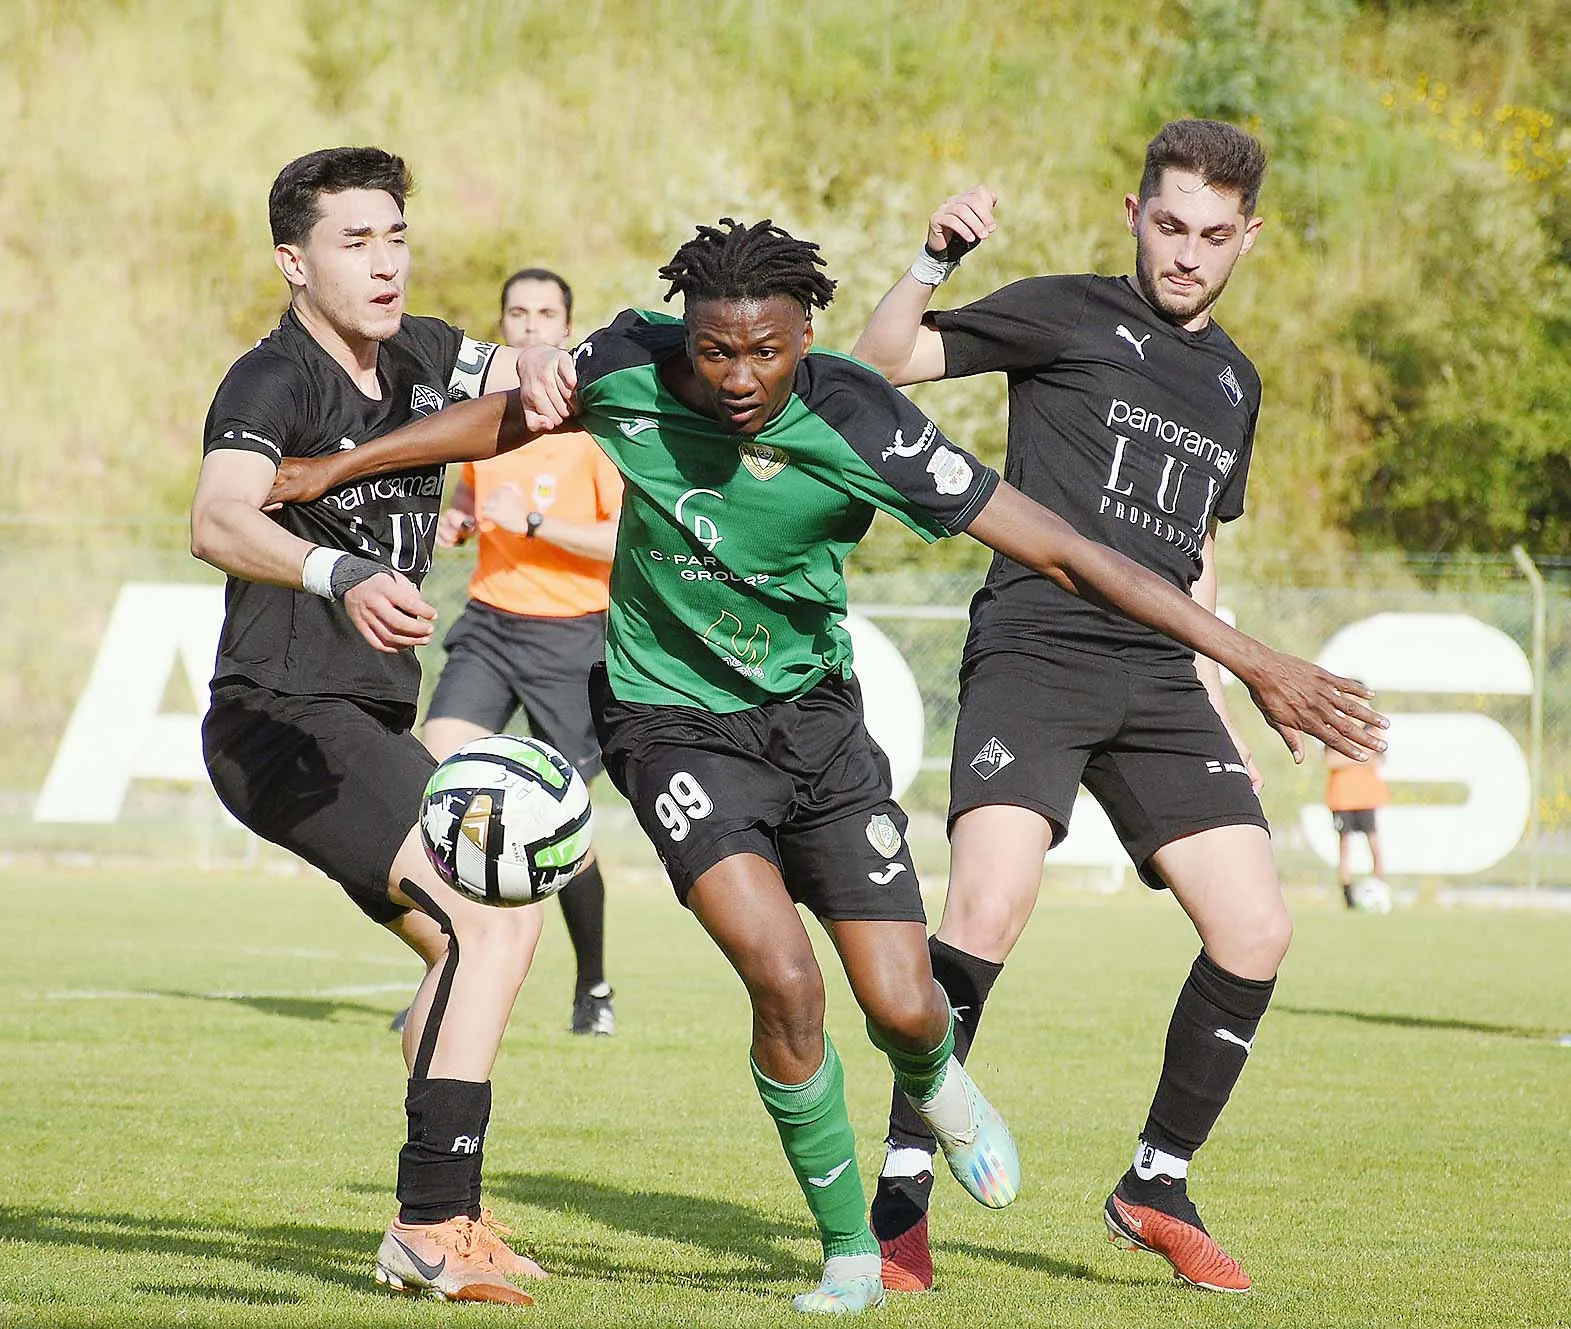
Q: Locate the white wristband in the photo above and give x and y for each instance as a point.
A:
(931, 271)
(317, 574)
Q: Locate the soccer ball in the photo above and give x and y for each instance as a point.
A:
(1372, 896)
(506, 820)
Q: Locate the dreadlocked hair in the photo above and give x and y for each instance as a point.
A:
(736, 262)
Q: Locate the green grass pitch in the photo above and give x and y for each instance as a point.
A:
(200, 1112)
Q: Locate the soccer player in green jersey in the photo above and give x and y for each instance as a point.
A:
(726, 709)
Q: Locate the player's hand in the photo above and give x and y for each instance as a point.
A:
(547, 379)
(453, 528)
(1300, 698)
(506, 507)
(389, 612)
(967, 217)
(299, 480)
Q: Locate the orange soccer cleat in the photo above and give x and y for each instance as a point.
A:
(444, 1261)
(1173, 1231)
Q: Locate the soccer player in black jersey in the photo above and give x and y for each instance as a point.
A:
(727, 712)
(1131, 414)
(307, 738)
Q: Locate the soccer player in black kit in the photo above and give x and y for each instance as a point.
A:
(1132, 414)
(307, 738)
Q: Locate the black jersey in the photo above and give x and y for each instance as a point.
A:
(1135, 431)
(287, 397)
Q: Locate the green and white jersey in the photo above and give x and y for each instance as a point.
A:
(728, 589)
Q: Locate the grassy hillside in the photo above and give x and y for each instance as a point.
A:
(1406, 304)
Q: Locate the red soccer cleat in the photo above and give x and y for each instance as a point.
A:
(1184, 1244)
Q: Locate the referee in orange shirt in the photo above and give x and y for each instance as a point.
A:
(1354, 790)
(544, 518)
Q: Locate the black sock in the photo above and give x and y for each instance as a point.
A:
(1208, 1042)
(583, 909)
(899, 1204)
(438, 1169)
(966, 981)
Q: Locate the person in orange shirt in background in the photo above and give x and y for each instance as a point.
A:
(544, 518)
(1353, 791)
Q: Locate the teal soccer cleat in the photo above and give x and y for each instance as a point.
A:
(851, 1296)
(983, 1156)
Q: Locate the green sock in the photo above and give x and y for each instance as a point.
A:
(815, 1131)
(917, 1073)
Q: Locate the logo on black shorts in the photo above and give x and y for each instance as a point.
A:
(1227, 768)
(883, 835)
(993, 757)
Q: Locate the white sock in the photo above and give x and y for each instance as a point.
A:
(948, 1111)
(841, 1269)
(907, 1162)
(1152, 1162)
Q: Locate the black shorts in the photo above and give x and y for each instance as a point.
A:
(800, 783)
(1349, 823)
(1149, 747)
(498, 662)
(336, 781)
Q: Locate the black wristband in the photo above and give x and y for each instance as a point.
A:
(350, 571)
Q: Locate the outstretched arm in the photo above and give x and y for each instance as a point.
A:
(1295, 696)
(467, 431)
(895, 341)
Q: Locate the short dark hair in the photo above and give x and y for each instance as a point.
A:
(293, 205)
(540, 274)
(1221, 154)
(736, 262)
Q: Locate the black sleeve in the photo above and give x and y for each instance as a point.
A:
(901, 461)
(1230, 502)
(634, 337)
(258, 407)
(1024, 325)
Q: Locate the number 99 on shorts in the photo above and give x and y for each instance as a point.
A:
(681, 804)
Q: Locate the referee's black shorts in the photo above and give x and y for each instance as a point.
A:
(498, 662)
(800, 783)
(334, 780)
(1147, 745)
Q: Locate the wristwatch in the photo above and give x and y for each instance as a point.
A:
(532, 524)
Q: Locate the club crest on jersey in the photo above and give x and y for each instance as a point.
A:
(1230, 385)
(950, 471)
(426, 400)
(993, 757)
(762, 460)
(883, 834)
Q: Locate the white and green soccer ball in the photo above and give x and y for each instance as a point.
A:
(506, 821)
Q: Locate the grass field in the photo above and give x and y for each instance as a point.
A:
(198, 1121)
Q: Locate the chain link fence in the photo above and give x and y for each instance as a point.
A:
(104, 666)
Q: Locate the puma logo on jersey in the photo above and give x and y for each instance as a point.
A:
(344, 444)
(1139, 343)
(636, 426)
(887, 875)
